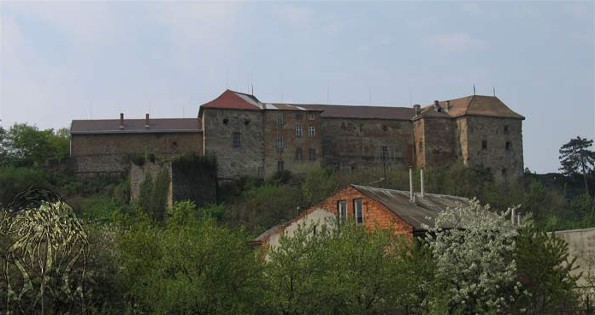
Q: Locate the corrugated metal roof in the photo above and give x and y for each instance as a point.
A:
(156, 125)
(419, 213)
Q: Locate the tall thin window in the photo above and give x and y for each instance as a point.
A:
(358, 211)
(342, 209)
(312, 155)
(311, 131)
(484, 144)
(279, 143)
(280, 166)
(279, 118)
(299, 131)
(298, 154)
(237, 140)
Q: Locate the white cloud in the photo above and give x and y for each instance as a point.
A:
(455, 42)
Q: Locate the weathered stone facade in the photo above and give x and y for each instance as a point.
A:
(106, 146)
(235, 137)
(348, 143)
(252, 138)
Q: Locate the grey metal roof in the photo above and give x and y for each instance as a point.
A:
(361, 112)
(419, 213)
(156, 125)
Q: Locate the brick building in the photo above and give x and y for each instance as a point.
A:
(371, 207)
(254, 138)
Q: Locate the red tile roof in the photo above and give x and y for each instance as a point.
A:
(479, 105)
(234, 100)
(156, 125)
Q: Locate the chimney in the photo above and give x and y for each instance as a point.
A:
(121, 120)
(447, 108)
(410, 184)
(437, 106)
(417, 109)
(147, 121)
(421, 177)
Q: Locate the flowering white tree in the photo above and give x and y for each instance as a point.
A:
(473, 248)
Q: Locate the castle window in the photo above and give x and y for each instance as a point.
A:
(279, 119)
(484, 144)
(312, 155)
(299, 131)
(299, 116)
(358, 211)
(342, 209)
(246, 122)
(311, 116)
(505, 129)
(311, 131)
(279, 143)
(225, 121)
(508, 145)
(280, 165)
(298, 154)
(237, 140)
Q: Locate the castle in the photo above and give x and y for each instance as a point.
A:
(254, 138)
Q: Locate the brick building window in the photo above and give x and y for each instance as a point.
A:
(508, 145)
(298, 154)
(358, 211)
(279, 143)
(237, 140)
(299, 131)
(484, 144)
(279, 119)
(311, 131)
(312, 155)
(311, 116)
(342, 209)
(299, 116)
(280, 167)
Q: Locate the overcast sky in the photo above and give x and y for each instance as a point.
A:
(78, 60)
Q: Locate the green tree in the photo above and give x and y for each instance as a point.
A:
(25, 145)
(189, 266)
(544, 269)
(577, 158)
(349, 270)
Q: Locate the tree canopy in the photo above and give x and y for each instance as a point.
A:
(576, 157)
(25, 145)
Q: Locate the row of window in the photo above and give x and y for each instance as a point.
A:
(299, 131)
(300, 156)
(279, 117)
(237, 137)
(358, 210)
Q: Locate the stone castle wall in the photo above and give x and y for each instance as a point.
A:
(247, 159)
(351, 143)
(110, 153)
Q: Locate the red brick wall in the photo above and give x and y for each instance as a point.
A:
(376, 215)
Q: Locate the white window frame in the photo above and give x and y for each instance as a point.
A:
(311, 131)
(279, 143)
(299, 131)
